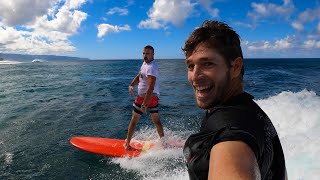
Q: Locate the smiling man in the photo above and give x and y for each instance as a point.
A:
(237, 140)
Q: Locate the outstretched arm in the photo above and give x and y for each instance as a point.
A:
(233, 160)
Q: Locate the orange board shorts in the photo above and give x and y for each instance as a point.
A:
(152, 104)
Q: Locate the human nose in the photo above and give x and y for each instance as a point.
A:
(197, 73)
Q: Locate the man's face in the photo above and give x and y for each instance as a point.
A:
(147, 55)
(209, 76)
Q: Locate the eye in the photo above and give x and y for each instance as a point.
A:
(190, 67)
(208, 64)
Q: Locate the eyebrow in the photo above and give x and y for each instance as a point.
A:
(188, 61)
(202, 59)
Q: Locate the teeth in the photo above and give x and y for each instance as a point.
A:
(200, 88)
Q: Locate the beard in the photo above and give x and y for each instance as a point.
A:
(219, 94)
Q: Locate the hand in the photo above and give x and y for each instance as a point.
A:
(143, 109)
(130, 88)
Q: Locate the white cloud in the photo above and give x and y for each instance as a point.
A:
(280, 44)
(74, 4)
(104, 29)
(309, 15)
(44, 27)
(10, 35)
(311, 44)
(120, 11)
(289, 44)
(19, 12)
(297, 26)
(151, 24)
(214, 12)
(258, 45)
(32, 43)
(65, 21)
(167, 11)
(265, 10)
(242, 24)
(283, 43)
(206, 4)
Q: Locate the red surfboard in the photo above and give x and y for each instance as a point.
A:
(110, 147)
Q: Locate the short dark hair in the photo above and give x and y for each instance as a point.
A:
(149, 47)
(217, 35)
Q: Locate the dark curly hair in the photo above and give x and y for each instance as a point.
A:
(217, 35)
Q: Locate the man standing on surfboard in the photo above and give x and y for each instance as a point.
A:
(148, 93)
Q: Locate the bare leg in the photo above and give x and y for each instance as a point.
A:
(156, 120)
(132, 125)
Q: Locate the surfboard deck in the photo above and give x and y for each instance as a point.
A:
(110, 147)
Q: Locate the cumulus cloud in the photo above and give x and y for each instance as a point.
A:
(42, 26)
(117, 10)
(65, 21)
(307, 16)
(258, 45)
(176, 12)
(265, 10)
(206, 4)
(309, 40)
(311, 44)
(74, 4)
(297, 26)
(19, 12)
(105, 29)
(305, 22)
(32, 43)
(286, 43)
(167, 11)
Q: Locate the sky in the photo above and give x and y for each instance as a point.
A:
(119, 29)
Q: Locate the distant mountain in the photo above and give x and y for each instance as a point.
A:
(25, 57)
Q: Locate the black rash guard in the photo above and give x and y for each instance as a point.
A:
(239, 119)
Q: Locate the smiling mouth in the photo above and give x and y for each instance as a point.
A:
(202, 90)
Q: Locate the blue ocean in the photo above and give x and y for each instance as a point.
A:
(44, 104)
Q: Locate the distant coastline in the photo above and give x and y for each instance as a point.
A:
(29, 58)
(26, 57)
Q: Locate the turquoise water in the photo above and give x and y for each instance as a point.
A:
(42, 105)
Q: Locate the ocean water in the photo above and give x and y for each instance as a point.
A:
(42, 105)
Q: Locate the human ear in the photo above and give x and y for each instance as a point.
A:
(236, 67)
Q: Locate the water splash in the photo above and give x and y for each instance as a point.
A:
(296, 116)
(157, 163)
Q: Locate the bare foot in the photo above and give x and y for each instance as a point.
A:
(127, 146)
(164, 142)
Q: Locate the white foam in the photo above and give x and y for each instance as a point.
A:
(38, 60)
(157, 163)
(10, 62)
(8, 158)
(296, 117)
